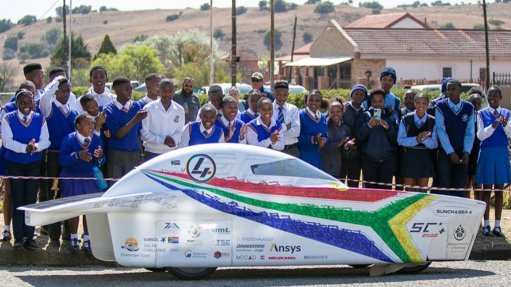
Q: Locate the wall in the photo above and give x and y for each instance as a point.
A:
(407, 23)
(359, 68)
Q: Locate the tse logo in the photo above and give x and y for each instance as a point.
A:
(418, 227)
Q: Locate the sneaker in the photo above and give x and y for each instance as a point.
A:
(17, 243)
(498, 232)
(30, 244)
(86, 247)
(6, 236)
(75, 245)
(487, 230)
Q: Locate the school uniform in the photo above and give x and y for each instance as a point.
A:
(417, 157)
(102, 99)
(18, 131)
(455, 130)
(474, 153)
(391, 102)
(248, 115)
(311, 124)
(218, 112)
(493, 163)
(195, 133)
(145, 101)
(351, 164)
(403, 112)
(259, 134)
(52, 88)
(123, 153)
(226, 125)
(331, 154)
(288, 114)
(73, 166)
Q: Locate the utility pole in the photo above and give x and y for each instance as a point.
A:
(272, 42)
(70, 50)
(65, 51)
(292, 51)
(211, 56)
(233, 47)
(487, 74)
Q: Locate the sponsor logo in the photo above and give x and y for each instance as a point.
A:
(257, 239)
(281, 258)
(194, 231)
(262, 257)
(428, 229)
(315, 257)
(170, 239)
(459, 233)
(464, 117)
(176, 119)
(175, 162)
(150, 239)
(201, 168)
(190, 254)
(170, 228)
(453, 211)
(223, 242)
(213, 228)
(285, 248)
(239, 245)
(246, 257)
(130, 244)
(219, 254)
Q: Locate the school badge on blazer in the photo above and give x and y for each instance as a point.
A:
(176, 119)
(464, 117)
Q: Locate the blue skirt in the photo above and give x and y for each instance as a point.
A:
(72, 187)
(493, 165)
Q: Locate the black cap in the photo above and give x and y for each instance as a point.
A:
(31, 67)
(120, 80)
(282, 85)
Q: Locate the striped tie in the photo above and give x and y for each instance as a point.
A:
(280, 117)
(25, 119)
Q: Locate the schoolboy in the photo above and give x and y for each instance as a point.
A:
(252, 112)
(388, 79)
(98, 78)
(215, 96)
(287, 114)
(151, 83)
(51, 88)
(264, 131)
(234, 129)
(313, 135)
(203, 131)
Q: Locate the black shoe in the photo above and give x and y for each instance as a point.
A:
(6, 236)
(30, 244)
(55, 243)
(487, 230)
(17, 243)
(498, 232)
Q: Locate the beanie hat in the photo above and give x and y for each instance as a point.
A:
(358, 87)
(444, 83)
(389, 71)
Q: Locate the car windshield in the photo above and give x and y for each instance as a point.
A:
(289, 167)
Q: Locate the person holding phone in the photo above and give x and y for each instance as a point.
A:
(377, 133)
(417, 136)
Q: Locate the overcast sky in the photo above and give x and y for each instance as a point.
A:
(16, 9)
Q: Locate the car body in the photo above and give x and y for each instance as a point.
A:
(244, 88)
(143, 88)
(134, 85)
(465, 87)
(205, 206)
(294, 89)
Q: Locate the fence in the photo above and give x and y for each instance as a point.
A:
(503, 80)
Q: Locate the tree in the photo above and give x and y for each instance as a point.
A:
(240, 10)
(205, 7)
(282, 6)
(312, 2)
(496, 22)
(60, 11)
(140, 38)
(307, 37)
(49, 20)
(172, 17)
(7, 74)
(107, 47)
(80, 53)
(448, 25)
(8, 54)
(263, 5)
(324, 8)
(35, 50)
(82, 9)
(11, 43)
(478, 27)
(51, 36)
(5, 25)
(371, 5)
(218, 34)
(27, 20)
(278, 41)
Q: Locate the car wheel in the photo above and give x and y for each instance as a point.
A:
(414, 269)
(156, 269)
(193, 273)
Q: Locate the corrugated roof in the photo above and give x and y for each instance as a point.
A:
(382, 21)
(429, 42)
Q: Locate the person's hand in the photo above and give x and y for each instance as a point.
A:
(321, 141)
(169, 141)
(232, 129)
(31, 147)
(384, 124)
(454, 158)
(274, 138)
(142, 114)
(100, 120)
(496, 123)
(243, 132)
(349, 144)
(61, 78)
(465, 158)
(423, 136)
(85, 155)
(373, 122)
(503, 120)
(98, 153)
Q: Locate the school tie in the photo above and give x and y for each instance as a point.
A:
(25, 119)
(124, 109)
(229, 126)
(86, 141)
(280, 116)
(496, 113)
(205, 133)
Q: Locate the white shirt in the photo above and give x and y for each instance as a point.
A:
(226, 123)
(9, 143)
(50, 90)
(291, 116)
(486, 132)
(253, 140)
(161, 123)
(185, 135)
(126, 106)
(103, 99)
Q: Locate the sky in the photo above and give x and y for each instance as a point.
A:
(16, 9)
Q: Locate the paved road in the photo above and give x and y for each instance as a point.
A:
(469, 273)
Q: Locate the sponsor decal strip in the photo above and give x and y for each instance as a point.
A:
(371, 219)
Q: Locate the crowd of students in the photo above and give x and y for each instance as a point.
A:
(47, 131)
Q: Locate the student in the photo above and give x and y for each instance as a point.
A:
(388, 79)
(98, 78)
(34, 72)
(98, 117)
(377, 133)
(188, 100)
(203, 131)
(351, 164)
(313, 135)
(215, 96)
(409, 102)
(60, 117)
(264, 131)
(493, 169)
(443, 88)
(24, 136)
(251, 113)
(235, 93)
(51, 88)
(475, 98)
(161, 129)
(233, 128)
(123, 119)
(337, 133)
(455, 128)
(81, 151)
(417, 137)
(287, 114)
(151, 83)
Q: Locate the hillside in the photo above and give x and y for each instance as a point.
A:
(124, 26)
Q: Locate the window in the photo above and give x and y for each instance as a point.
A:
(289, 167)
(446, 72)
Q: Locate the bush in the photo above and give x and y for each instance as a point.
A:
(5, 24)
(49, 20)
(371, 5)
(324, 8)
(478, 27)
(172, 17)
(8, 54)
(79, 91)
(205, 7)
(447, 26)
(241, 10)
(27, 20)
(218, 34)
(307, 37)
(11, 43)
(263, 5)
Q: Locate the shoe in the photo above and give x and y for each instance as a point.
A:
(498, 232)
(30, 244)
(6, 236)
(86, 247)
(487, 230)
(55, 243)
(75, 245)
(17, 243)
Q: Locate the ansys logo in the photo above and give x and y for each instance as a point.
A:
(131, 244)
(201, 167)
(285, 248)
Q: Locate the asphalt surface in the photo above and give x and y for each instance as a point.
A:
(464, 273)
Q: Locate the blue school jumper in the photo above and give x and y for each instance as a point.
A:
(246, 117)
(455, 124)
(117, 119)
(59, 125)
(24, 133)
(493, 163)
(196, 137)
(263, 132)
(73, 166)
(331, 155)
(309, 128)
(236, 136)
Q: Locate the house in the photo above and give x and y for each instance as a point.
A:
(388, 21)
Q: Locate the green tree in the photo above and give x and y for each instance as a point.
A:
(49, 20)
(282, 6)
(324, 8)
(371, 5)
(5, 24)
(240, 10)
(218, 34)
(312, 2)
(35, 50)
(60, 11)
(103, 9)
(307, 37)
(11, 43)
(8, 54)
(278, 41)
(448, 25)
(172, 17)
(107, 47)
(27, 20)
(82, 9)
(205, 7)
(52, 36)
(263, 5)
(496, 22)
(79, 56)
(478, 27)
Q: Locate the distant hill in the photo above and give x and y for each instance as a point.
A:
(124, 26)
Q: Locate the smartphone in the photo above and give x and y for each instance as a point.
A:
(377, 114)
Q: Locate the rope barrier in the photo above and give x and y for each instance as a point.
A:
(52, 178)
